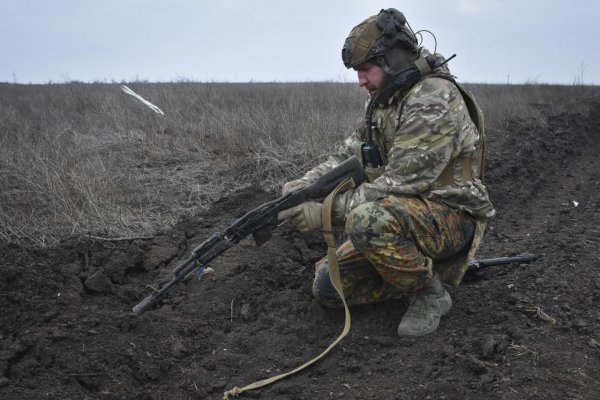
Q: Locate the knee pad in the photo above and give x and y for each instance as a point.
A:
(322, 286)
(323, 289)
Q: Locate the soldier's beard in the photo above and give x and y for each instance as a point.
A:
(372, 90)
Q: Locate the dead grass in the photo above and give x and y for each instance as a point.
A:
(87, 159)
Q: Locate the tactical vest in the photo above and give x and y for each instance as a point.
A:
(460, 168)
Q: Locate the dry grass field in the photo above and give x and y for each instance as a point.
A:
(81, 158)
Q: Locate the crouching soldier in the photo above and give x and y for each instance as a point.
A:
(414, 226)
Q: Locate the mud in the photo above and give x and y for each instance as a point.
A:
(517, 332)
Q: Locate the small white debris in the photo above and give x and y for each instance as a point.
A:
(140, 98)
(510, 285)
(575, 203)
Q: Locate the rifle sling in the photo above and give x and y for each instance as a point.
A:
(334, 275)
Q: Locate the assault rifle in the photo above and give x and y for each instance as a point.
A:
(477, 265)
(259, 222)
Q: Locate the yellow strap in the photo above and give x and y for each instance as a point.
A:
(334, 275)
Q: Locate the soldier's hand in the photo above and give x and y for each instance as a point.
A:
(292, 186)
(306, 217)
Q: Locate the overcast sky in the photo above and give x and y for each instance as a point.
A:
(545, 41)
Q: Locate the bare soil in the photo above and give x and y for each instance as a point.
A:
(517, 332)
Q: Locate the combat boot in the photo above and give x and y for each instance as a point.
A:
(426, 309)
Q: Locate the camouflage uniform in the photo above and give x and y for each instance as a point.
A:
(406, 221)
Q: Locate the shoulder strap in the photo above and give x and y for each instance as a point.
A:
(447, 176)
(477, 116)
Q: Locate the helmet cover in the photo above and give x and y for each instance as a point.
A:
(373, 37)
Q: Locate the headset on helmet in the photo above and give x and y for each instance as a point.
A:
(375, 36)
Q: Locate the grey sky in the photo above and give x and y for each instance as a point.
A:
(276, 40)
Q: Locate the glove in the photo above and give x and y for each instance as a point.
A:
(292, 186)
(306, 217)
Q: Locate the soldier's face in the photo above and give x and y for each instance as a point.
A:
(370, 76)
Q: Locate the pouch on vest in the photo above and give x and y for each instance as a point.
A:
(374, 173)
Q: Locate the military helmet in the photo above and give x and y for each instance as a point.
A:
(373, 37)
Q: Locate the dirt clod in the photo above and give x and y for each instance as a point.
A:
(99, 282)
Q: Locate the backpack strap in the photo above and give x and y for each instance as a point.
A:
(465, 163)
(477, 116)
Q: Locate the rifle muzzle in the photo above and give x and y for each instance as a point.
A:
(143, 305)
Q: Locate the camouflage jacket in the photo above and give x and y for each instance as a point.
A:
(419, 130)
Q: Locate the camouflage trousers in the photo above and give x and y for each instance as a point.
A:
(392, 247)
